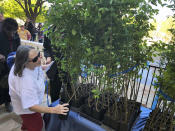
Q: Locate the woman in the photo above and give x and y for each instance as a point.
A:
(26, 89)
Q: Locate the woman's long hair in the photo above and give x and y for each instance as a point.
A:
(22, 55)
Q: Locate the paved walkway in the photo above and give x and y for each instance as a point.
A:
(11, 121)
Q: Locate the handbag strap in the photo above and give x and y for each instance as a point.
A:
(46, 84)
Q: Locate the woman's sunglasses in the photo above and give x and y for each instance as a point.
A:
(35, 58)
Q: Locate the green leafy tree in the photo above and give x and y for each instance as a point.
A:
(107, 32)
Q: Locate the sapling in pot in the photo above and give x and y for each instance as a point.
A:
(64, 117)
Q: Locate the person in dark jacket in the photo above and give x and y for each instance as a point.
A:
(31, 28)
(40, 33)
(9, 42)
(53, 74)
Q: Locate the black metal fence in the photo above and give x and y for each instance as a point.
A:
(146, 91)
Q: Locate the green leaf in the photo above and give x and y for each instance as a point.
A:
(74, 32)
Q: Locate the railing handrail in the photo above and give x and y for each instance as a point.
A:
(31, 42)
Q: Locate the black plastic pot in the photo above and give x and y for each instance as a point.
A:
(86, 109)
(98, 115)
(64, 117)
(75, 103)
(125, 126)
(78, 102)
(81, 95)
(111, 122)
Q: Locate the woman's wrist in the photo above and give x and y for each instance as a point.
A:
(51, 110)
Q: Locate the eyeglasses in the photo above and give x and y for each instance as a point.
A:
(35, 58)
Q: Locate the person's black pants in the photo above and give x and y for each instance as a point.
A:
(4, 95)
(55, 87)
(33, 37)
(4, 91)
(56, 81)
(4, 87)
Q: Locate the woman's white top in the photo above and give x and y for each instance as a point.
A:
(26, 91)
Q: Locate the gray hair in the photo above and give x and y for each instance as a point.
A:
(22, 55)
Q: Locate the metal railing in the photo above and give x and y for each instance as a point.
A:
(140, 89)
(146, 91)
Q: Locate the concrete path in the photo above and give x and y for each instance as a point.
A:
(11, 121)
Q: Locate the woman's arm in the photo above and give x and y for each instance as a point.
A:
(59, 109)
(47, 66)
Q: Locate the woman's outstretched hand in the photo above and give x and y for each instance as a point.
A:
(61, 109)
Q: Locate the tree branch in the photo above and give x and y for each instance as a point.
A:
(27, 10)
(20, 4)
(36, 6)
(30, 7)
(40, 7)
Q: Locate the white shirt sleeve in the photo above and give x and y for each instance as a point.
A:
(29, 95)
